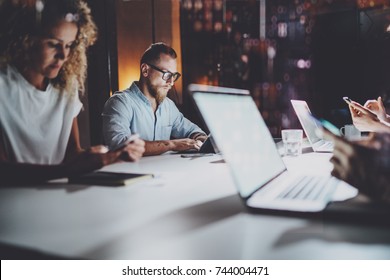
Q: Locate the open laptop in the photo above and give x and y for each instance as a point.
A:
(209, 146)
(258, 170)
(206, 148)
(309, 126)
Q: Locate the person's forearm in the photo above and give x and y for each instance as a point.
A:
(153, 148)
(387, 119)
(383, 126)
(20, 173)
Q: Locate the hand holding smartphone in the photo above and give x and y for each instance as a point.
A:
(357, 107)
(348, 100)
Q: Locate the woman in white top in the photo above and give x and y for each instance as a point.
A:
(42, 71)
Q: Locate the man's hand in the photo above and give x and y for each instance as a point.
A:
(185, 144)
(199, 136)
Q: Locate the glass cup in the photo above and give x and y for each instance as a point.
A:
(292, 142)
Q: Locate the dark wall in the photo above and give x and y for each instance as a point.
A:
(336, 61)
(102, 65)
(350, 58)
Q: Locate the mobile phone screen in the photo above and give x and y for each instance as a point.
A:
(331, 127)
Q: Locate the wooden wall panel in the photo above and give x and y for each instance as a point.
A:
(137, 29)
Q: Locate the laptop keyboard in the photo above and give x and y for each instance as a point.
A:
(308, 188)
(326, 145)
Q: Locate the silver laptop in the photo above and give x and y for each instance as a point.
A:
(248, 148)
(309, 126)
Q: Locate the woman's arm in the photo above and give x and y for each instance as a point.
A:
(23, 173)
(74, 147)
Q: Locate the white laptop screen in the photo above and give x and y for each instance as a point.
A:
(243, 138)
(303, 114)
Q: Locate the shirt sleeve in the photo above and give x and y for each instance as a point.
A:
(116, 118)
(77, 105)
(182, 127)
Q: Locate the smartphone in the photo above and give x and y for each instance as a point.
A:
(348, 100)
(327, 125)
(128, 141)
(331, 127)
(355, 107)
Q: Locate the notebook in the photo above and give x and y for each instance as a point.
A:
(309, 126)
(258, 170)
(106, 178)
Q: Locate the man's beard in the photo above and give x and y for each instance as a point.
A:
(154, 92)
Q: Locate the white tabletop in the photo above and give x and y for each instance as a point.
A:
(189, 211)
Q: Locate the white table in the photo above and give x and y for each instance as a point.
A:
(190, 211)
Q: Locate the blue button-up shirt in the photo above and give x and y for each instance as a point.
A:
(129, 111)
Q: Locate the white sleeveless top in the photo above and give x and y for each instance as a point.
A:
(35, 125)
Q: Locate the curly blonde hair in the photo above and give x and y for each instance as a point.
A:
(18, 37)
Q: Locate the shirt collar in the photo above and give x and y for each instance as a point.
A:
(135, 89)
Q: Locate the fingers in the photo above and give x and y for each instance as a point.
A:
(134, 154)
(109, 157)
(343, 149)
(342, 155)
(342, 165)
(377, 107)
(362, 109)
(354, 112)
(337, 140)
(136, 146)
(201, 138)
(198, 144)
(186, 144)
(359, 108)
(327, 135)
(337, 168)
(134, 150)
(100, 149)
(381, 105)
(371, 104)
(102, 156)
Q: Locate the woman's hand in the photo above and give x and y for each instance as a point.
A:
(377, 107)
(94, 158)
(364, 164)
(134, 150)
(366, 120)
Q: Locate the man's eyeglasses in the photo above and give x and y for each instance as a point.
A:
(167, 76)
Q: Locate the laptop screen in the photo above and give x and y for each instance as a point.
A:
(243, 138)
(303, 114)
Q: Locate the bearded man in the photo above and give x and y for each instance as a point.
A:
(145, 109)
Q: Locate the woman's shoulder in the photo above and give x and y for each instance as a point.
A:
(65, 96)
(10, 75)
